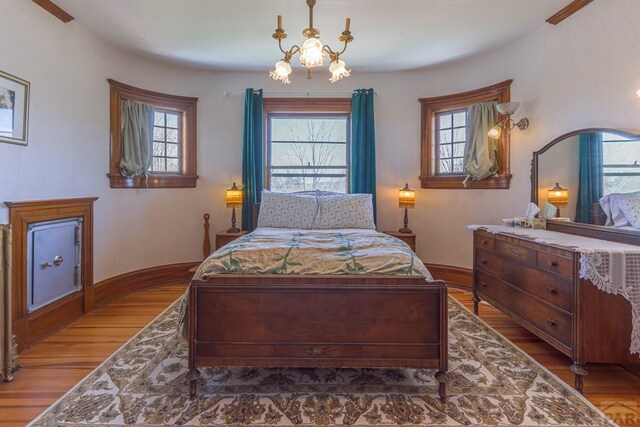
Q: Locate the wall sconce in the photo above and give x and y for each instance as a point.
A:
(559, 197)
(406, 200)
(507, 109)
(234, 200)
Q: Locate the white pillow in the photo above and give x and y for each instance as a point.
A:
(611, 206)
(345, 211)
(630, 207)
(286, 210)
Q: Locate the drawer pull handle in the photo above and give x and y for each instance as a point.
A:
(317, 351)
(515, 253)
(554, 263)
(483, 284)
(551, 290)
(552, 323)
(483, 260)
(484, 242)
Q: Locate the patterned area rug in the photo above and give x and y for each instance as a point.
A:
(491, 383)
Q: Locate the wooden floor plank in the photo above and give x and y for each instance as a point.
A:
(53, 366)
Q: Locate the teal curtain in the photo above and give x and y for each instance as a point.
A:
(591, 177)
(480, 151)
(252, 155)
(362, 177)
(137, 138)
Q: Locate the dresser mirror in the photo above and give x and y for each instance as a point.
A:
(591, 175)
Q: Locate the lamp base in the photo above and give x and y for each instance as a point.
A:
(405, 230)
(233, 230)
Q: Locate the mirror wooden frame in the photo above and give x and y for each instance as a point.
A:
(580, 229)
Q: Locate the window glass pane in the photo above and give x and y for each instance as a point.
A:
(460, 119)
(445, 137)
(445, 166)
(458, 150)
(158, 164)
(172, 165)
(308, 152)
(621, 184)
(297, 183)
(445, 120)
(460, 135)
(158, 118)
(457, 166)
(172, 135)
(158, 149)
(309, 129)
(172, 120)
(305, 154)
(172, 150)
(445, 151)
(158, 134)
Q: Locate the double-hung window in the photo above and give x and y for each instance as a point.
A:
(307, 144)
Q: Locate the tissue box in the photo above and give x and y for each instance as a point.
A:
(536, 223)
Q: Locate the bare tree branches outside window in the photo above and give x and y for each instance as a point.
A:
(308, 152)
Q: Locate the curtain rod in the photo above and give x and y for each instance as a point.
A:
(229, 93)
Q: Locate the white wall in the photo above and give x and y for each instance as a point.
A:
(582, 73)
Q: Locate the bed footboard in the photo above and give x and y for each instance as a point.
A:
(318, 321)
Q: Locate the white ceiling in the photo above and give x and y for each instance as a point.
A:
(236, 34)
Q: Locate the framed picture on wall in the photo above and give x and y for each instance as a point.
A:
(14, 109)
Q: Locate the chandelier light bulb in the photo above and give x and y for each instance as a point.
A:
(338, 70)
(282, 71)
(494, 132)
(311, 53)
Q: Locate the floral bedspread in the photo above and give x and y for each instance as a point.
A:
(285, 251)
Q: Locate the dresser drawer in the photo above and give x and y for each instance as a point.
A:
(516, 252)
(555, 263)
(555, 323)
(553, 289)
(318, 350)
(483, 241)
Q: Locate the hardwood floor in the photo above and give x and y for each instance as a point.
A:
(53, 366)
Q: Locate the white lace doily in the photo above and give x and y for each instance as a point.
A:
(612, 267)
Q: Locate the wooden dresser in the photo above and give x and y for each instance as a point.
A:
(538, 286)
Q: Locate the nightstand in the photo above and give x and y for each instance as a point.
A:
(222, 238)
(408, 238)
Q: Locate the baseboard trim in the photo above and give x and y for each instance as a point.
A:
(118, 286)
(456, 277)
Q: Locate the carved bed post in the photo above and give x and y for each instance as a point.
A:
(206, 244)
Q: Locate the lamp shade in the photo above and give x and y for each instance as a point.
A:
(558, 196)
(406, 197)
(234, 197)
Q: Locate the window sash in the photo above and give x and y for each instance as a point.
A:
(270, 168)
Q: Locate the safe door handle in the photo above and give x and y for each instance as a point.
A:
(57, 260)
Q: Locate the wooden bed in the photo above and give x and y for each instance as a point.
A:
(372, 321)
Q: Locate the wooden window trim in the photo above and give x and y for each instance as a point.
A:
(186, 105)
(280, 106)
(500, 92)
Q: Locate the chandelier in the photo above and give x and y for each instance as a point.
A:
(312, 53)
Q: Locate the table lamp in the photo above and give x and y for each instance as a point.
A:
(234, 200)
(406, 200)
(559, 197)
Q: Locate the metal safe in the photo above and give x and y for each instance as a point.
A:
(54, 249)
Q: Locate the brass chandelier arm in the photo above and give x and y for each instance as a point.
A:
(288, 53)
